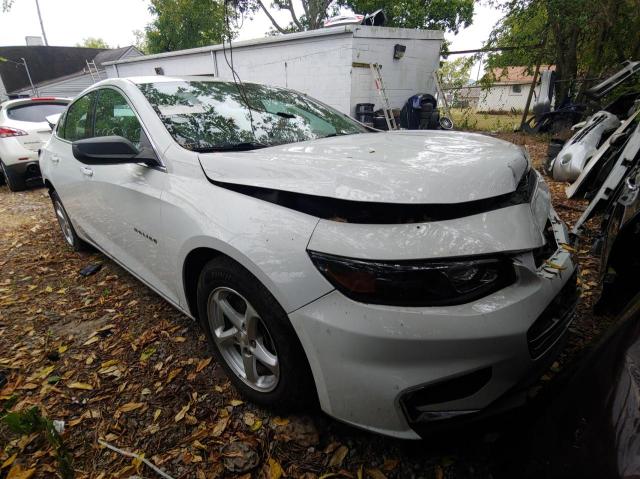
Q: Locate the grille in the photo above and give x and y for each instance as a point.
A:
(554, 320)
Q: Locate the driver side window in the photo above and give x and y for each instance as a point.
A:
(114, 117)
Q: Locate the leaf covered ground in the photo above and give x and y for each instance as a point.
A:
(101, 359)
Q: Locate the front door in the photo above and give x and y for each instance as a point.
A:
(127, 221)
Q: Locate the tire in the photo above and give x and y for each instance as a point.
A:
(14, 182)
(287, 384)
(68, 231)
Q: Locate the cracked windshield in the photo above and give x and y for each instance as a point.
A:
(215, 116)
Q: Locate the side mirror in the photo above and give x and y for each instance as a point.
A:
(53, 120)
(110, 150)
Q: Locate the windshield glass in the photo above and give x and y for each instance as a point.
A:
(211, 116)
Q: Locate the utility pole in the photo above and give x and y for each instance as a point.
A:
(33, 88)
(44, 35)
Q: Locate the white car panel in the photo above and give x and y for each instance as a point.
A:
(380, 167)
(578, 150)
(586, 172)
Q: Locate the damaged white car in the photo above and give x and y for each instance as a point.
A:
(398, 278)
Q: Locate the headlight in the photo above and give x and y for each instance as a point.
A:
(415, 282)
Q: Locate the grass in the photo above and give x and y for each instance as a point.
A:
(469, 119)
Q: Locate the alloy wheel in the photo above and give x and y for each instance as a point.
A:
(243, 339)
(64, 223)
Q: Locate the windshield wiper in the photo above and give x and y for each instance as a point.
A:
(244, 146)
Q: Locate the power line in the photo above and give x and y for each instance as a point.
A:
(491, 49)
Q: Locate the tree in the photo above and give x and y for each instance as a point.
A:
(180, 24)
(456, 73)
(93, 42)
(140, 41)
(448, 15)
(6, 5)
(582, 38)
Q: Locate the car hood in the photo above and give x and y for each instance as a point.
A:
(420, 167)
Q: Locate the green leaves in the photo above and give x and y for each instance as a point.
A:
(448, 15)
(181, 24)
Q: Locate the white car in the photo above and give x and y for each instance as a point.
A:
(399, 278)
(23, 130)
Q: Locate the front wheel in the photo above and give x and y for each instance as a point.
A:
(251, 336)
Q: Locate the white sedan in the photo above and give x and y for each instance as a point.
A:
(23, 130)
(398, 278)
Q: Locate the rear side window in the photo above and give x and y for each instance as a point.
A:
(35, 112)
(77, 121)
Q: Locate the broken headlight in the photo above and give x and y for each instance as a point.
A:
(415, 282)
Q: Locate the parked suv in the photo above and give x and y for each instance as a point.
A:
(399, 278)
(23, 130)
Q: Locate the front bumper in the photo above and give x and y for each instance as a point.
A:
(368, 359)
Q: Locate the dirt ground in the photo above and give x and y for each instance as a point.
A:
(117, 363)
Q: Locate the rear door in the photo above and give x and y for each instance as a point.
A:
(60, 166)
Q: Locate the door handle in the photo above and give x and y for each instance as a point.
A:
(54, 158)
(86, 171)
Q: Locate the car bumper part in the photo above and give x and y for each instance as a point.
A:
(393, 369)
(28, 170)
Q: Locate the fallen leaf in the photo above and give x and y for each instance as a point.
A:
(236, 402)
(338, 456)
(91, 340)
(182, 412)
(275, 470)
(279, 421)
(16, 472)
(9, 461)
(147, 353)
(85, 386)
(202, 364)
(220, 426)
(375, 474)
(130, 406)
(172, 374)
(156, 414)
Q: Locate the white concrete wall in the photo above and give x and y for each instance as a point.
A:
(317, 63)
(403, 78)
(503, 98)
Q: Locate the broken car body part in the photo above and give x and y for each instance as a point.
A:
(576, 152)
(581, 183)
(627, 159)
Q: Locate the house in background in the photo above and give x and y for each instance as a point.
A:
(55, 71)
(509, 88)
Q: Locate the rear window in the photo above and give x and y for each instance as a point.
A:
(35, 112)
